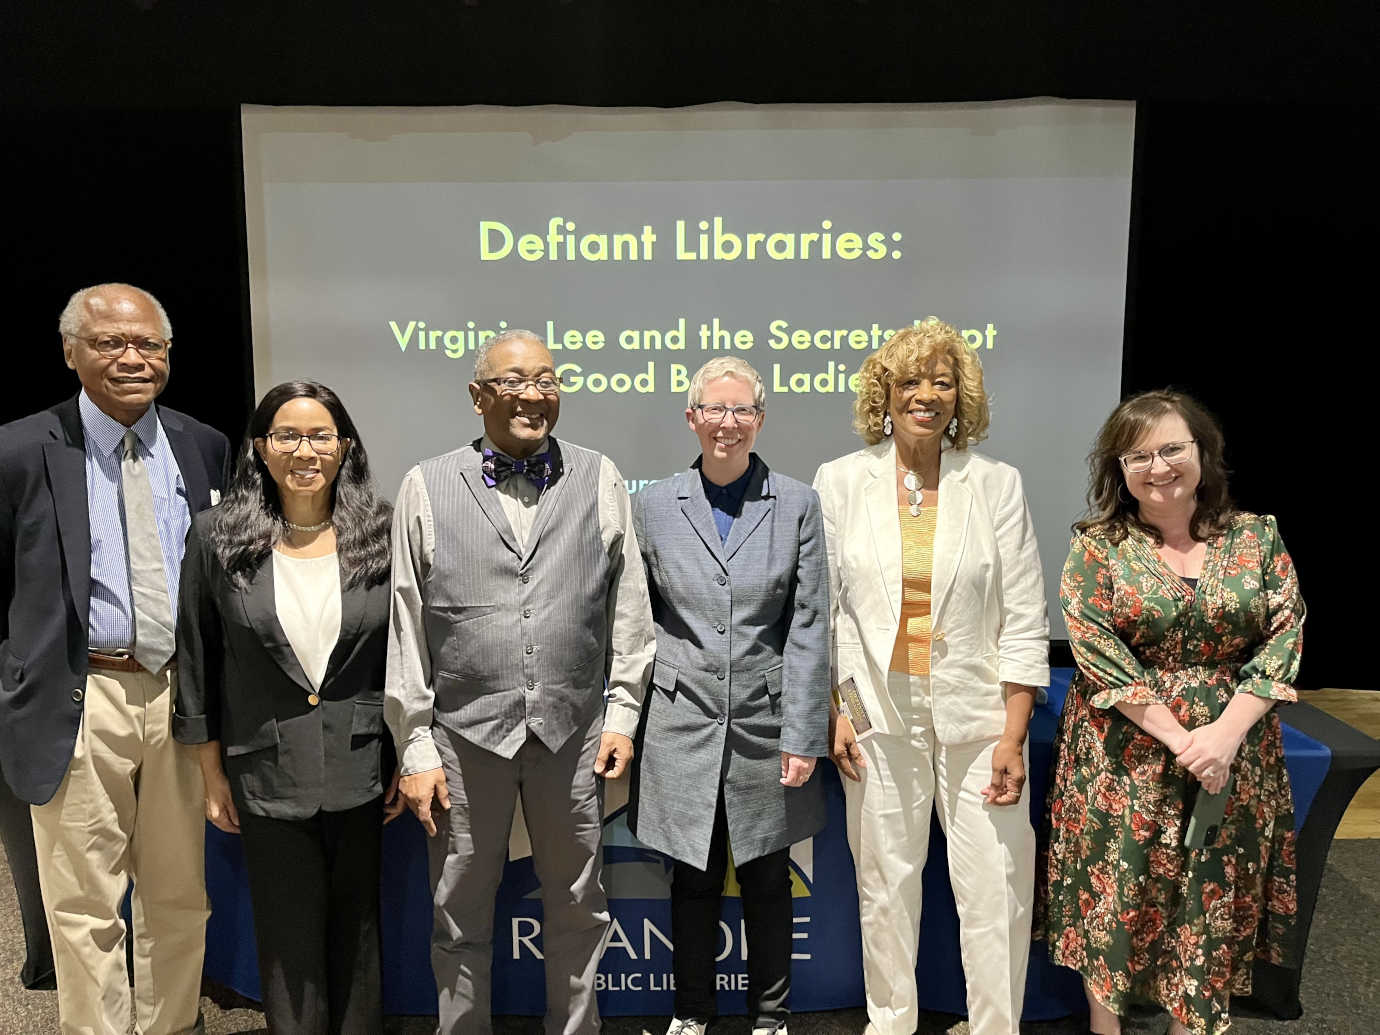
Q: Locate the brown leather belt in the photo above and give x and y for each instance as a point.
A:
(117, 662)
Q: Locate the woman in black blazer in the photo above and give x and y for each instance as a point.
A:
(282, 626)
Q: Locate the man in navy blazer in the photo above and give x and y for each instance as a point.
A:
(85, 732)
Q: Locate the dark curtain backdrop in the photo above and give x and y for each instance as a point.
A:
(1252, 228)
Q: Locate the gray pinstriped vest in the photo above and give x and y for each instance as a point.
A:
(518, 638)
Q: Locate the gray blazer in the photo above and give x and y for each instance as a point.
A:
(741, 671)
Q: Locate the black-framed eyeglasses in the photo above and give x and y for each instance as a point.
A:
(715, 413)
(1138, 461)
(110, 345)
(323, 443)
(547, 384)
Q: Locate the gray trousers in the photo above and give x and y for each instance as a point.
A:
(562, 802)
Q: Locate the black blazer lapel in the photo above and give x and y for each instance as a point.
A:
(189, 462)
(486, 497)
(758, 502)
(695, 506)
(352, 606)
(65, 460)
(260, 607)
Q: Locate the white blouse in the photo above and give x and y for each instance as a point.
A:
(306, 594)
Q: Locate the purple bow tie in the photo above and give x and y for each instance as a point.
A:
(537, 469)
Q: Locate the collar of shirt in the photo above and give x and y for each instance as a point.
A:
(105, 435)
(728, 498)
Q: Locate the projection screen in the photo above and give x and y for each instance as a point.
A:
(383, 244)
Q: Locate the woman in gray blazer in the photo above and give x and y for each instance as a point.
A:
(281, 635)
(738, 710)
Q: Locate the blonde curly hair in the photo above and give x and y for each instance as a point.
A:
(909, 352)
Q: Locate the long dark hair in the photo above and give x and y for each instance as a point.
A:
(250, 518)
(1109, 512)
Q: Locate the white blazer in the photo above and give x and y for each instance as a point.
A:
(988, 619)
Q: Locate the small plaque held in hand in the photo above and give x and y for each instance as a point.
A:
(849, 703)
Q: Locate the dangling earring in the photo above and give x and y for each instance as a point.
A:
(886, 425)
(1120, 498)
(953, 428)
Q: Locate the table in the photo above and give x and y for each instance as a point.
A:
(1327, 762)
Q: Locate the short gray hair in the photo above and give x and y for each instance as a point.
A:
(481, 351)
(727, 366)
(74, 312)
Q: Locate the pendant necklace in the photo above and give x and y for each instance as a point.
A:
(915, 489)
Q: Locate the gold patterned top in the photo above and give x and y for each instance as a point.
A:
(912, 652)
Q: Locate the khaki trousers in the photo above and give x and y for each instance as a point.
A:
(991, 868)
(129, 808)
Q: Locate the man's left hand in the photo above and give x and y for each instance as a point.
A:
(795, 769)
(615, 752)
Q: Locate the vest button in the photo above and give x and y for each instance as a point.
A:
(720, 627)
(720, 579)
(720, 674)
(719, 719)
(77, 695)
(526, 612)
(527, 649)
(526, 577)
(531, 684)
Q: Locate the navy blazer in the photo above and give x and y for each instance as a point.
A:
(239, 682)
(45, 580)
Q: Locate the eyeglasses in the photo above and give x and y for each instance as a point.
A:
(714, 413)
(323, 443)
(547, 384)
(112, 345)
(1138, 461)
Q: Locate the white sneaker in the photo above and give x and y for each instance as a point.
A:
(687, 1026)
(770, 1029)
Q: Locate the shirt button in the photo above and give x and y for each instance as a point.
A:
(526, 612)
(527, 499)
(77, 695)
(528, 649)
(720, 627)
(720, 579)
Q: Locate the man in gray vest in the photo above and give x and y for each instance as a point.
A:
(518, 594)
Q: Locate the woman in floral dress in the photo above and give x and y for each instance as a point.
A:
(1185, 619)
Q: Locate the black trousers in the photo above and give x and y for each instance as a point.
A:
(767, 916)
(17, 833)
(314, 884)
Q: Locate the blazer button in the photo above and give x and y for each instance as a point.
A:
(720, 579)
(719, 719)
(77, 695)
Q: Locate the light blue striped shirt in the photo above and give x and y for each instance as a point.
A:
(111, 623)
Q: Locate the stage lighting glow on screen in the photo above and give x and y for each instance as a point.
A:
(384, 244)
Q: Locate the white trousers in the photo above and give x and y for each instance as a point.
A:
(991, 868)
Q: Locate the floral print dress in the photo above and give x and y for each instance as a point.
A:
(1121, 900)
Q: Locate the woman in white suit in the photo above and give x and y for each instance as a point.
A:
(939, 623)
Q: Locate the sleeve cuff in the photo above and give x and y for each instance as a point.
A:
(420, 755)
(1268, 688)
(192, 729)
(1025, 673)
(621, 718)
(1139, 692)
